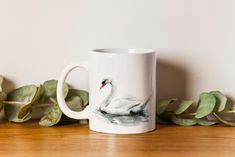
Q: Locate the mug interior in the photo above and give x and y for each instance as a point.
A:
(124, 50)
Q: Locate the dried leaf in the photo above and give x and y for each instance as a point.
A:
(162, 105)
(183, 121)
(184, 105)
(221, 100)
(206, 105)
(52, 117)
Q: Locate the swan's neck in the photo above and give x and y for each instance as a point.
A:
(110, 96)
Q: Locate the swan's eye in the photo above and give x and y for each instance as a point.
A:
(103, 82)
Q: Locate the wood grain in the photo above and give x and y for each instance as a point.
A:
(30, 139)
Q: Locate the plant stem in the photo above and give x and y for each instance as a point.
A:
(15, 103)
(189, 114)
(232, 111)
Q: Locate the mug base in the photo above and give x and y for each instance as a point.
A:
(122, 131)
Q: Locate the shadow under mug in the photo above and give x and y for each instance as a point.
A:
(122, 90)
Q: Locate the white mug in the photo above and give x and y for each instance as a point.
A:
(122, 90)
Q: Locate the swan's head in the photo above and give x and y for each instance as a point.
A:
(105, 82)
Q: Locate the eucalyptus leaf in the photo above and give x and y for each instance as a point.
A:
(39, 93)
(162, 105)
(183, 121)
(49, 88)
(205, 122)
(52, 117)
(22, 95)
(84, 95)
(224, 121)
(27, 108)
(16, 100)
(184, 105)
(12, 110)
(75, 103)
(77, 100)
(221, 100)
(206, 105)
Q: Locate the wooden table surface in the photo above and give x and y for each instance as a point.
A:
(30, 139)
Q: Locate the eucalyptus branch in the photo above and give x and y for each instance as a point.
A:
(18, 104)
(210, 104)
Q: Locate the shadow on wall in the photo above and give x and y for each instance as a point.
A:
(171, 80)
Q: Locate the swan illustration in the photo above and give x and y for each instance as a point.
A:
(126, 110)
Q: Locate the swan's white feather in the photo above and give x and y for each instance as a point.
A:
(121, 106)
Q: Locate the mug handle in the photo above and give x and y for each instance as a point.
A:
(60, 92)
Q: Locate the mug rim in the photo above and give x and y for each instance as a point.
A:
(126, 51)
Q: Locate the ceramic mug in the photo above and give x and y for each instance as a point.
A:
(122, 93)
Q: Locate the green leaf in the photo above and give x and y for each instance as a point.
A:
(12, 110)
(39, 93)
(49, 88)
(221, 100)
(52, 117)
(183, 121)
(162, 105)
(184, 105)
(23, 94)
(77, 100)
(16, 100)
(81, 93)
(224, 121)
(75, 103)
(205, 122)
(206, 105)
(27, 108)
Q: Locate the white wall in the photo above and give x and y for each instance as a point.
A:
(194, 39)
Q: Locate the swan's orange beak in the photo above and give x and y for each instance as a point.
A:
(103, 84)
